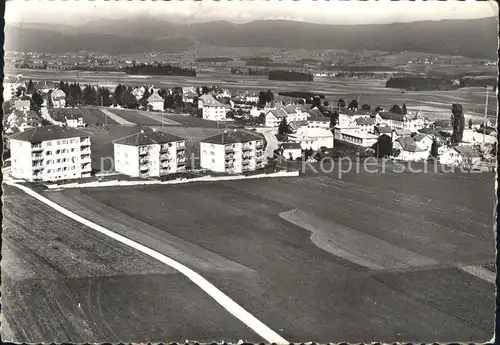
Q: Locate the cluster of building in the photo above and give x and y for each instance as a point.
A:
(52, 153)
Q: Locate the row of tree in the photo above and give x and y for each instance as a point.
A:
(290, 76)
(417, 83)
(159, 69)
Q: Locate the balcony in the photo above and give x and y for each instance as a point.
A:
(36, 147)
(165, 157)
(229, 164)
(165, 166)
(181, 146)
(143, 168)
(245, 162)
(258, 145)
(245, 168)
(85, 158)
(229, 157)
(229, 149)
(181, 160)
(143, 161)
(37, 167)
(86, 167)
(85, 150)
(143, 152)
(164, 148)
(246, 147)
(37, 157)
(84, 141)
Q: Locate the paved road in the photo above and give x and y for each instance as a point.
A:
(272, 141)
(291, 270)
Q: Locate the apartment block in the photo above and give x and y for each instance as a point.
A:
(149, 154)
(50, 153)
(233, 152)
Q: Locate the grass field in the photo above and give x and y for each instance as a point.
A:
(436, 104)
(288, 279)
(63, 282)
(93, 116)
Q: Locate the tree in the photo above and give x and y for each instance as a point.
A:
(262, 118)
(457, 122)
(30, 88)
(36, 101)
(470, 123)
(383, 146)
(326, 103)
(316, 102)
(341, 103)
(20, 91)
(403, 109)
(230, 114)
(434, 148)
(334, 119)
(378, 109)
(353, 105)
(396, 109)
(284, 128)
(366, 107)
(143, 102)
(205, 90)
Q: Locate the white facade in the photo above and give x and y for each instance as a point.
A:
(157, 105)
(359, 138)
(349, 119)
(313, 138)
(58, 98)
(214, 113)
(232, 157)
(51, 160)
(75, 123)
(150, 160)
(415, 156)
(318, 123)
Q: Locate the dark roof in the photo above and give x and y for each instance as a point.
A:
(232, 137)
(291, 146)
(319, 118)
(44, 133)
(467, 151)
(315, 112)
(387, 115)
(297, 124)
(147, 138)
(278, 113)
(385, 129)
(354, 112)
(365, 121)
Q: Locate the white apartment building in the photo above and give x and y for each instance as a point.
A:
(319, 122)
(50, 153)
(58, 98)
(149, 154)
(212, 109)
(232, 152)
(296, 113)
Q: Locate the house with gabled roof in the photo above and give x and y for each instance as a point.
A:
(275, 116)
(149, 154)
(58, 98)
(156, 101)
(409, 150)
(233, 151)
(212, 109)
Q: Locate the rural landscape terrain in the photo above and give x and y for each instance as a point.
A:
(184, 180)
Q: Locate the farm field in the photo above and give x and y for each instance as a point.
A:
(90, 115)
(435, 104)
(63, 282)
(290, 282)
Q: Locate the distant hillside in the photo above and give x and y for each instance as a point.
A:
(473, 38)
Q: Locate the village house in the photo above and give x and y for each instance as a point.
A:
(423, 141)
(138, 92)
(348, 117)
(233, 151)
(149, 154)
(23, 103)
(296, 112)
(401, 121)
(58, 98)
(291, 151)
(383, 130)
(357, 137)
(156, 102)
(459, 156)
(50, 153)
(312, 138)
(212, 109)
(409, 150)
(189, 94)
(365, 124)
(74, 121)
(18, 121)
(274, 117)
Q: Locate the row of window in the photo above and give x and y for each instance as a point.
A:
(60, 160)
(71, 168)
(64, 142)
(61, 151)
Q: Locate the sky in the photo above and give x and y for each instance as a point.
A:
(77, 12)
